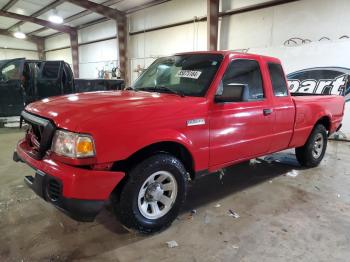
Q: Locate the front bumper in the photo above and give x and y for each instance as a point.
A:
(79, 192)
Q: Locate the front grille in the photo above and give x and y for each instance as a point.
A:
(37, 131)
(39, 135)
(54, 189)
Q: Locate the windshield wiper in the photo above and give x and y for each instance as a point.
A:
(162, 89)
(167, 89)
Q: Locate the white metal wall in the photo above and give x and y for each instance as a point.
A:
(92, 57)
(10, 42)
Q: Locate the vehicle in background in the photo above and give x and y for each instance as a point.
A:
(24, 81)
(186, 116)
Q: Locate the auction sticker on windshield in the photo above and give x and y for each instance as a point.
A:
(188, 74)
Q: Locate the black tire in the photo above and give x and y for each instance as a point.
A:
(305, 155)
(126, 204)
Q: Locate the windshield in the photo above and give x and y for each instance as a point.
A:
(188, 75)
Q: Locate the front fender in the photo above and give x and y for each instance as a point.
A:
(128, 144)
(167, 135)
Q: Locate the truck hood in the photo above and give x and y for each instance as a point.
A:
(71, 111)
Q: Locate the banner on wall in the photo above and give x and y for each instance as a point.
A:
(321, 80)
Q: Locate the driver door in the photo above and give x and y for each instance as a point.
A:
(241, 130)
(12, 94)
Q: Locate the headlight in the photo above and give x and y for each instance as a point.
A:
(73, 145)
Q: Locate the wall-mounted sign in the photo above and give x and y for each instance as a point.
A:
(321, 80)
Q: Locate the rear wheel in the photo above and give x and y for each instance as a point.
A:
(312, 153)
(154, 192)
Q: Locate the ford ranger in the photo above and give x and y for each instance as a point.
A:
(187, 115)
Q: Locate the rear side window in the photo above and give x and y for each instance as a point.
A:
(245, 72)
(278, 80)
(50, 70)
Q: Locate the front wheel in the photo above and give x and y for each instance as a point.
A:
(153, 194)
(312, 153)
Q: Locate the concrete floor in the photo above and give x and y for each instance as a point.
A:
(282, 218)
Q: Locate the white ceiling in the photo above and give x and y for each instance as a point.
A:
(28, 7)
(85, 19)
(2, 3)
(29, 27)
(6, 22)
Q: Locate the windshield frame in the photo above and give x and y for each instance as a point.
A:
(219, 59)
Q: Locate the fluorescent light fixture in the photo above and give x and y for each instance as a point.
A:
(56, 19)
(19, 35)
(20, 11)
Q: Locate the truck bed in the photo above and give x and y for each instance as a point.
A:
(331, 106)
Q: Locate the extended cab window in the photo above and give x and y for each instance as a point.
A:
(246, 72)
(278, 80)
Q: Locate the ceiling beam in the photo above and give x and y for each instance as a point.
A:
(40, 45)
(33, 39)
(37, 31)
(212, 24)
(39, 41)
(91, 23)
(88, 12)
(106, 11)
(122, 36)
(121, 24)
(76, 16)
(100, 20)
(61, 28)
(75, 52)
(9, 5)
(43, 10)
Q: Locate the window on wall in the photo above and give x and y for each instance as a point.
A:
(278, 80)
(246, 72)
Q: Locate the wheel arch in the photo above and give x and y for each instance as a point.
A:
(174, 148)
(169, 147)
(325, 121)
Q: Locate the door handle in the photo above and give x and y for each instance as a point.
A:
(267, 112)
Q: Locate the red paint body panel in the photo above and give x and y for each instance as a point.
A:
(123, 122)
(77, 182)
(309, 109)
(239, 130)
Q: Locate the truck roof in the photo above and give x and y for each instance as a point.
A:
(228, 52)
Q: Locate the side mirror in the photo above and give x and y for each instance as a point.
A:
(233, 93)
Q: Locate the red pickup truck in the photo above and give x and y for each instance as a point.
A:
(186, 116)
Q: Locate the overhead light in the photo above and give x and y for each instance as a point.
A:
(55, 18)
(19, 35)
